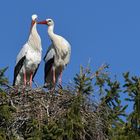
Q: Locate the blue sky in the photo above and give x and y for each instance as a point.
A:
(106, 31)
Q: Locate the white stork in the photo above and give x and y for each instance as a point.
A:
(29, 57)
(57, 56)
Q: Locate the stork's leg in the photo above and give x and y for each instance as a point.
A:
(60, 78)
(31, 79)
(25, 80)
(53, 72)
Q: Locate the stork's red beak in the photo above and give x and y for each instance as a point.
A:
(42, 22)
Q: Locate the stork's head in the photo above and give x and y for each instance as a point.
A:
(48, 22)
(34, 18)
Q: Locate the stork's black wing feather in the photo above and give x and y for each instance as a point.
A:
(48, 66)
(18, 68)
(49, 60)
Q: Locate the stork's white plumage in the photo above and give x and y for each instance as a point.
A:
(57, 56)
(29, 57)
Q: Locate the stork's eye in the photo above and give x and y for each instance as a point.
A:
(49, 20)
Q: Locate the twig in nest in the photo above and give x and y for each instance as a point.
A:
(12, 104)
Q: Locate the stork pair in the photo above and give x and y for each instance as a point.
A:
(29, 57)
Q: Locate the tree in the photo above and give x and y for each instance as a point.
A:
(132, 87)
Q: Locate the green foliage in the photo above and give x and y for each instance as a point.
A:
(83, 82)
(31, 130)
(53, 131)
(5, 109)
(3, 79)
(68, 126)
(132, 87)
(73, 122)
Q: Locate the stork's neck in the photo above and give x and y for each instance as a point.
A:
(51, 32)
(34, 39)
